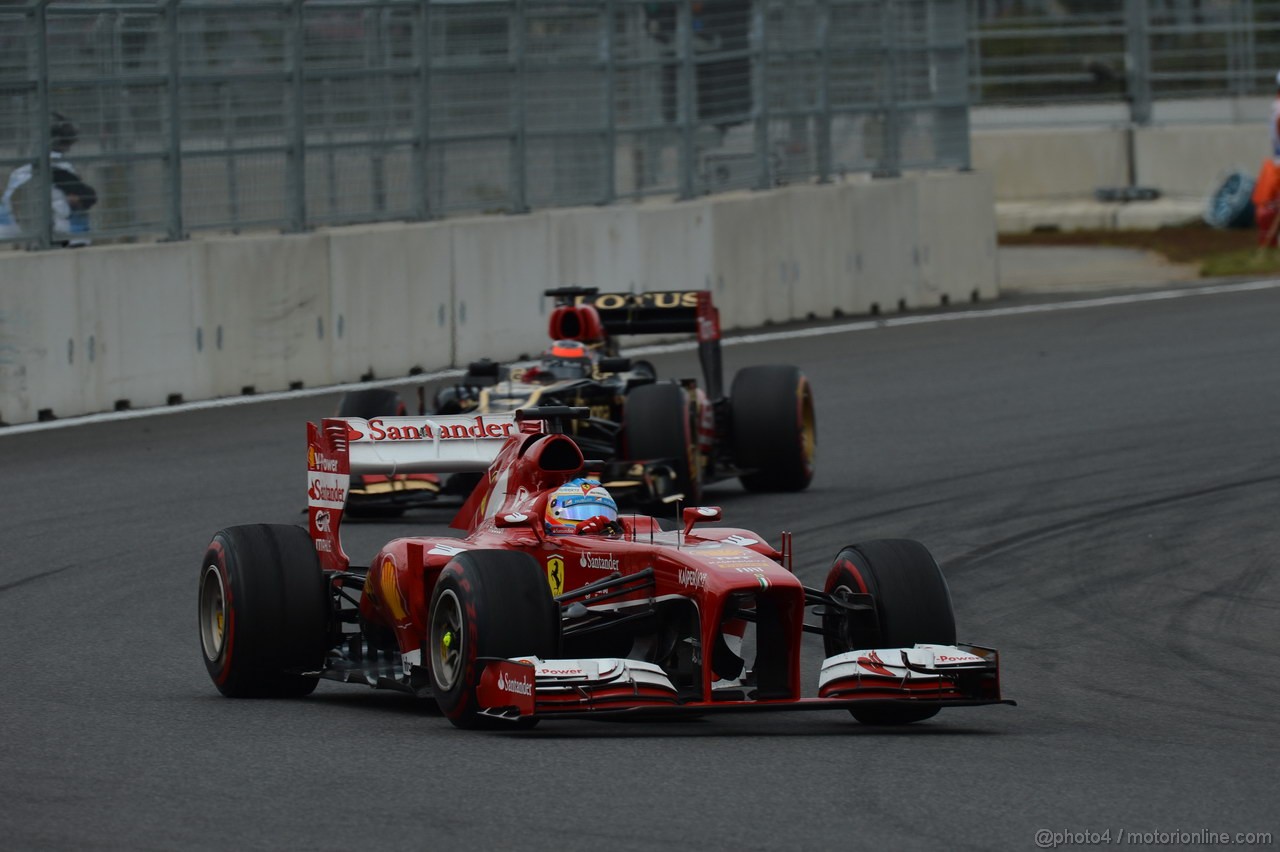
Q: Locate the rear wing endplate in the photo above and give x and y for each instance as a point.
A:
(339, 447)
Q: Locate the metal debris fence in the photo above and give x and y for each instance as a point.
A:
(1136, 52)
(226, 115)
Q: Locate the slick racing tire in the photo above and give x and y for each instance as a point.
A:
(775, 433)
(487, 603)
(913, 605)
(368, 404)
(372, 402)
(263, 611)
(658, 426)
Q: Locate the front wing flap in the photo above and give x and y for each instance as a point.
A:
(938, 672)
(924, 675)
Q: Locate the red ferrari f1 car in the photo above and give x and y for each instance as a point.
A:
(554, 605)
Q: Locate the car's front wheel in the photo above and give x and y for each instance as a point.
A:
(486, 604)
(912, 605)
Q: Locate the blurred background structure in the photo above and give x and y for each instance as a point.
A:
(229, 115)
(1137, 52)
(238, 114)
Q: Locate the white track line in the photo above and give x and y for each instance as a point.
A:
(685, 346)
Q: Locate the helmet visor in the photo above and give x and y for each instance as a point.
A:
(580, 510)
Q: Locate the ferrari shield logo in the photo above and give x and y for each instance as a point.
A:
(555, 575)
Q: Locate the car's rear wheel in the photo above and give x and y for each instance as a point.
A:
(775, 433)
(263, 611)
(912, 605)
(371, 402)
(487, 603)
(658, 426)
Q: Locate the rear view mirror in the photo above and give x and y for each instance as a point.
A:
(614, 365)
(484, 369)
(700, 514)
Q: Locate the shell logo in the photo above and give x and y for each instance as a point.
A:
(389, 588)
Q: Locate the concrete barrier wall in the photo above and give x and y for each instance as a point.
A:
(747, 251)
(270, 297)
(886, 243)
(1191, 161)
(94, 329)
(1051, 163)
(596, 247)
(957, 247)
(139, 331)
(817, 237)
(1182, 161)
(391, 299)
(41, 349)
(501, 266)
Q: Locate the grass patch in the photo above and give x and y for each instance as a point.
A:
(1217, 252)
(1247, 262)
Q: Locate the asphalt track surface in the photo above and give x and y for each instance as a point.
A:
(1100, 485)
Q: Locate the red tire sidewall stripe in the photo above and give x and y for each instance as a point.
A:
(803, 393)
(228, 603)
(847, 565)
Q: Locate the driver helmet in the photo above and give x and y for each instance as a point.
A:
(568, 359)
(576, 501)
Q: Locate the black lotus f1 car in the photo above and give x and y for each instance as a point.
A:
(653, 440)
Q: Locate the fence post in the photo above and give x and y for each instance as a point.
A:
(42, 179)
(823, 130)
(760, 95)
(422, 114)
(520, 136)
(889, 162)
(685, 91)
(175, 229)
(295, 170)
(1242, 49)
(610, 48)
(1138, 61)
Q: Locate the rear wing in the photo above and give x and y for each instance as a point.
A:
(658, 312)
(339, 447)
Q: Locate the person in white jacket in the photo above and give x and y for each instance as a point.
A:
(71, 198)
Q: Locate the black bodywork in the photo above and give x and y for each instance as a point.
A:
(648, 439)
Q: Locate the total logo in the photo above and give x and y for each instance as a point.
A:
(604, 562)
(689, 578)
(517, 686)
